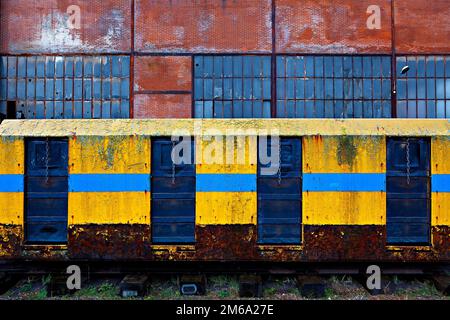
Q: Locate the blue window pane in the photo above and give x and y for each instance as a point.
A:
(21, 89)
(300, 109)
(12, 68)
(208, 109)
(348, 67)
(290, 89)
(106, 109)
(431, 88)
(281, 109)
(116, 67)
(115, 89)
(106, 67)
(300, 66)
(447, 66)
(421, 88)
(376, 89)
(78, 89)
(421, 109)
(401, 89)
(339, 109)
(447, 88)
(386, 84)
(125, 66)
(386, 66)
(328, 65)
(59, 67)
(247, 109)
(125, 88)
(281, 66)
(412, 89)
(377, 109)
(198, 106)
(115, 109)
(31, 87)
(318, 66)
(348, 89)
(300, 89)
(69, 67)
(367, 66)
(97, 65)
(59, 89)
(248, 88)
(431, 108)
(198, 92)
(237, 89)
(338, 63)
(257, 67)
(106, 89)
(257, 89)
(3, 67)
(208, 89)
(367, 89)
(3, 85)
(387, 109)
(329, 88)
(440, 109)
(411, 62)
(227, 109)
(320, 108)
(367, 109)
(309, 109)
(376, 67)
(430, 66)
(267, 67)
(358, 109)
(309, 65)
(228, 66)
(87, 89)
(266, 89)
(40, 89)
(266, 109)
(257, 109)
(237, 109)
(440, 88)
(237, 66)
(357, 67)
(97, 89)
(290, 109)
(401, 63)
(412, 109)
(96, 110)
(21, 67)
(339, 89)
(319, 88)
(421, 67)
(329, 109)
(357, 88)
(218, 89)
(218, 67)
(208, 66)
(281, 88)
(11, 89)
(291, 66)
(309, 89)
(248, 62)
(440, 69)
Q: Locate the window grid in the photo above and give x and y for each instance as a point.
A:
(424, 90)
(232, 86)
(66, 86)
(333, 87)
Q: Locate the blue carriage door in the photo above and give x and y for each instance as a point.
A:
(46, 189)
(280, 195)
(408, 191)
(173, 195)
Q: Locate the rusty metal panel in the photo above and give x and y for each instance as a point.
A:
(50, 26)
(422, 26)
(162, 106)
(169, 73)
(333, 26)
(203, 26)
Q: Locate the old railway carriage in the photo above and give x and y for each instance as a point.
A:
(93, 91)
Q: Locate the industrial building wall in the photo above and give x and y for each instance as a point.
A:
(157, 41)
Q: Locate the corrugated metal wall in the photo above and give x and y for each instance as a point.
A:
(161, 39)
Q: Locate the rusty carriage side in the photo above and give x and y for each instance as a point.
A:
(119, 197)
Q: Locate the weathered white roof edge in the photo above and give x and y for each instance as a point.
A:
(167, 127)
